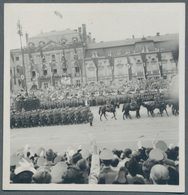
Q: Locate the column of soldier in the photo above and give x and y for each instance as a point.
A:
(60, 116)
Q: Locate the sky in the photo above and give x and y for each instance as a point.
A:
(106, 22)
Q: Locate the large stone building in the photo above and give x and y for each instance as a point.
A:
(132, 58)
(72, 57)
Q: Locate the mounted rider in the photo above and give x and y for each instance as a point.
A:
(133, 101)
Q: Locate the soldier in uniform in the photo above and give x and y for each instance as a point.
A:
(91, 117)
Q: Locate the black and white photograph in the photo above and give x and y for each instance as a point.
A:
(94, 96)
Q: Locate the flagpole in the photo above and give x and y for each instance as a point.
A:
(19, 31)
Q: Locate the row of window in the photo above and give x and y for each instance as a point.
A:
(45, 72)
(46, 85)
(95, 54)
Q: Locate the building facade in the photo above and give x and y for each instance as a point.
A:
(72, 57)
(138, 58)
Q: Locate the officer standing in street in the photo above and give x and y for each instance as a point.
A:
(91, 117)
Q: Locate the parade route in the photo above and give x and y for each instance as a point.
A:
(119, 134)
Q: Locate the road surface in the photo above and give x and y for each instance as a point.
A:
(119, 134)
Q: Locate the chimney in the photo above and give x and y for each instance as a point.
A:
(89, 37)
(133, 36)
(93, 40)
(26, 37)
(79, 29)
(84, 32)
(158, 34)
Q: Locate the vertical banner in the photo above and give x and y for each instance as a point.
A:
(143, 56)
(175, 54)
(129, 68)
(63, 59)
(95, 61)
(111, 62)
(160, 63)
(42, 55)
(14, 73)
(52, 74)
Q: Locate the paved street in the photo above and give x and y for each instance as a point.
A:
(118, 134)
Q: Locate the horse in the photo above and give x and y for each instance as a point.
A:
(175, 107)
(150, 108)
(132, 107)
(111, 108)
(155, 105)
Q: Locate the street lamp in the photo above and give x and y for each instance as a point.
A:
(19, 31)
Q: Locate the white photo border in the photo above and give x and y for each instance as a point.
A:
(179, 7)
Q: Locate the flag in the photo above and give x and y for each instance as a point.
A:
(175, 54)
(63, 59)
(143, 56)
(95, 61)
(160, 63)
(129, 68)
(42, 55)
(58, 14)
(111, 62)
(52, 72)
(12, 57)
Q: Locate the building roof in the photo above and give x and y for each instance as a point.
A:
(54, 33)
(132, 41)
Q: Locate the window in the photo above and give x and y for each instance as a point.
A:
(77, 69)
(45, 72)
(18, 71)
(17, 58)
(55, 71)
(78, 82)
(53, 58)
(162, 48)
(127, 51)
(165, 77)
(33, 74)
(118, 52)
(45, 85)
(56, 83)
(64, 70)
(11, 72)
(109, 53)
(94, 54)
(19, 82)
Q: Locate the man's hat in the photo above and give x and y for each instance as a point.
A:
(106, 154)
(49, 154)
(40, 161)
(156, 154)
(58, 171)
(14, 159)
(84, 153)
(161, 145)
(24, 165)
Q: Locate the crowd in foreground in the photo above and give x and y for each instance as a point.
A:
(157, 165)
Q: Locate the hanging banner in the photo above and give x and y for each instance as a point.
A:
(143, 56)
(129, 68)
(160, 63)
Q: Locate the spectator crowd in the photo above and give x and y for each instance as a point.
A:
(158, 165)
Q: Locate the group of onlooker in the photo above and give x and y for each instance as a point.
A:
(157, 165)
